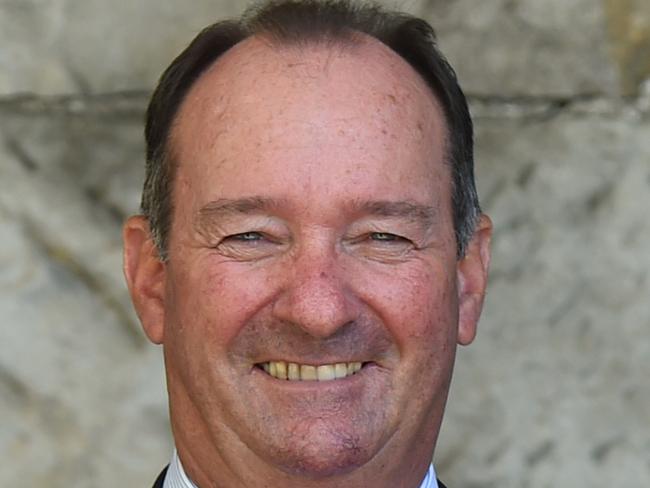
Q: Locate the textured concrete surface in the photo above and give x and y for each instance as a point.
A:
(95, 46)
(77, 379)
(512, 48)
(554, 392)
(527, 47)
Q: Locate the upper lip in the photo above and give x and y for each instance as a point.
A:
(311, 362)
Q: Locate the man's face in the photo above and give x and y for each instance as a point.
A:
(312, 233)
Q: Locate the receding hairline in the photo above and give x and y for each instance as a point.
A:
(352, 43)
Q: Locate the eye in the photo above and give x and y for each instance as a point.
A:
(245, 237)
(381, 246)
(249, 246)
(385, 237)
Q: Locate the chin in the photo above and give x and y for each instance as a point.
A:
(324, 463)
(318, 454)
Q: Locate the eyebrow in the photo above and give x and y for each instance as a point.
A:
(415, 212)
(224, 207)
(237, 205)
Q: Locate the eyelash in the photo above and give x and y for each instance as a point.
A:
(386, 237)
(245, 236)
(254, 237)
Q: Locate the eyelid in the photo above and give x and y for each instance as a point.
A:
(392, 236)
(240, 235)
(370, 238)
(249, 246)
(257, 238)
(258, 235)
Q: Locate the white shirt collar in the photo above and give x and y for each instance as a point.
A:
(176, 477)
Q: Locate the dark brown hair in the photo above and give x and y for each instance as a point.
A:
(302, 22)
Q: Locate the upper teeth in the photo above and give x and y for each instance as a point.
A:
(306, 372)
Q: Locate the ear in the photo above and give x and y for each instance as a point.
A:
(145, 276)
(472, 274)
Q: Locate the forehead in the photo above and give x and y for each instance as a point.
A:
(359, 100)
(258, 62)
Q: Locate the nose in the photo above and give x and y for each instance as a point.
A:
(317, 297)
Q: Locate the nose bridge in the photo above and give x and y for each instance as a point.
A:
(317, 298)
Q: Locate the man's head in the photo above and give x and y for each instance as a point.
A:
(312, 231)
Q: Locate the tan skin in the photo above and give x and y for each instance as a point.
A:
(312, 223)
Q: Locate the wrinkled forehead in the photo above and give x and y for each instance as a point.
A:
(259, 81)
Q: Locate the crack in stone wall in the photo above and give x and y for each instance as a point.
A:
(119, 104)
(89, 278)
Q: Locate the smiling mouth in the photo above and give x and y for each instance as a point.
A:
(306, 372)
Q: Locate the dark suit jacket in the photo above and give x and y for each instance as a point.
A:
(161, 479)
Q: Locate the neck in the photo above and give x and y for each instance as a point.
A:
(177, 477)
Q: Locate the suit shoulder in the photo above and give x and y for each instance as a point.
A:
(161, 478)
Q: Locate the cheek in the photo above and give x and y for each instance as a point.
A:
(215, 301)
(417, 305)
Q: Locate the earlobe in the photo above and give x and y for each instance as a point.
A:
(145, 276)
(472, 272)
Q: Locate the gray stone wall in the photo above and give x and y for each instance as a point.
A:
(556, 389)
